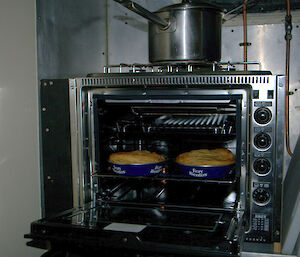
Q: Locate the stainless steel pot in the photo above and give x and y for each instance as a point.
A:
(182, 33)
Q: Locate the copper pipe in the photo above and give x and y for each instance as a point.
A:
(288, 7)
(288, 38)
(245, 33)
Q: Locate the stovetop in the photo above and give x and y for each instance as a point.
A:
(228, 68)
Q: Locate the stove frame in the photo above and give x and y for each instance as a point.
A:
(254, 87)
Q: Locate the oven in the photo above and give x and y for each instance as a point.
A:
(169, 214)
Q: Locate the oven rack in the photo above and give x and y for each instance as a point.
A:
(167, 177)
(216, 124)
(207, 134)
(151, 194)
(164, 206)
(203, 120)
(179, 210)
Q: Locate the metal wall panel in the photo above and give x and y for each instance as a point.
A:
(128, 36)
(268, 47)
(128, 32)
(71, 37)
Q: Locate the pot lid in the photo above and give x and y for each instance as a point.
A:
(191, 4)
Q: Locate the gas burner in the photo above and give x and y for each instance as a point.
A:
(178, 67)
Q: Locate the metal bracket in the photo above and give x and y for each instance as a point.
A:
(245, 44)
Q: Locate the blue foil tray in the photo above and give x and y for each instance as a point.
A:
(137, 169)
(205, 172)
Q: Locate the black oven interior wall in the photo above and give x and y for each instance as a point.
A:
(169, 129)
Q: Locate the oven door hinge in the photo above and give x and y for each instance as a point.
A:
(236, 230)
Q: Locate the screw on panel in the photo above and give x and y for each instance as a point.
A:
(44, 109)
(47, 129)
(51, 83)
(45, 84)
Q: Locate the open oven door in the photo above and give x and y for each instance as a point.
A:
(147, 231)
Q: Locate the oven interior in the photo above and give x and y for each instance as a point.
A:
(167, 129)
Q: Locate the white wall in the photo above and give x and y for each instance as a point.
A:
(19, 163)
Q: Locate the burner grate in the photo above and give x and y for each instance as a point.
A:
(178, 67)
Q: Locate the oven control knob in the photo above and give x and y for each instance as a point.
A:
(261, 196)
(262, 140)
(262, 166)
(262, 115)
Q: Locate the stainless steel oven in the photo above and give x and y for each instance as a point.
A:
(170, 112)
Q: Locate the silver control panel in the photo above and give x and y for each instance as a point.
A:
(265, 166)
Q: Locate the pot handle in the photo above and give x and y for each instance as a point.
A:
(132, 6)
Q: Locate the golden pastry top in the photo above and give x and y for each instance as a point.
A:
(207, 157)
(136, 157)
